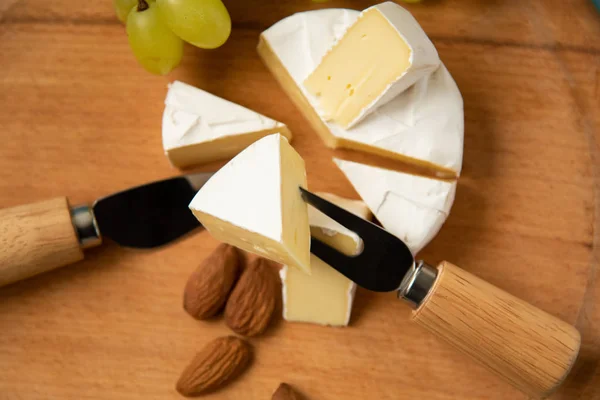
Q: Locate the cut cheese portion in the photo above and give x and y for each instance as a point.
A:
(334, 234)
(325, 297)
(423, 125)
(254, 203)
(382, 54)
(413, 208)
(199, 127)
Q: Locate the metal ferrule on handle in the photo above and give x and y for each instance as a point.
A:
(85, 226)
(417, 283)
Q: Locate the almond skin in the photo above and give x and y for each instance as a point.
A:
(208, 287)
(214, 366)
(252, 301)
(285, 392)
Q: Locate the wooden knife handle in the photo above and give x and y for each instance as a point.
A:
(35, 238)
(527, 346)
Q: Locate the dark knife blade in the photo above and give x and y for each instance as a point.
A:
(384, 261)
(150, 215)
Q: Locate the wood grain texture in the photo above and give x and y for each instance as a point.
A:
(528, 347)
(35, 238)
(80, 118)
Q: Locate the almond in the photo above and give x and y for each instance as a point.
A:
(209, 285)
(285, 392)
(252, 301)
(215, 365)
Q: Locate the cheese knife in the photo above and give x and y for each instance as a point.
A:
(528, 347)
(39, 237)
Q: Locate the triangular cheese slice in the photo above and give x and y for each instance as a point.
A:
(411, 207)
(199, 127)
(326, 296)
(422, 126)
(254, 203)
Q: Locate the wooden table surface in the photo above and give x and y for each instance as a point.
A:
(79, 117)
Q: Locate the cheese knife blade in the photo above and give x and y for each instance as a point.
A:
(42, 236)
(529, 348)
(150, 215)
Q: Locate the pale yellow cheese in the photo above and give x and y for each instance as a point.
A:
(218, 149)
(332, 233)
(254, 203)
(369, 57)
(296, 228)
(325, 297)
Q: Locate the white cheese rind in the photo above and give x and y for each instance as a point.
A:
(425, 122)
(193, 116)
(254, 197)
(253, 203)
(283, 274)
(411, 207)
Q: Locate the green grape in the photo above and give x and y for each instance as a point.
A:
(154, 45)
(123, 7)
(203, 23)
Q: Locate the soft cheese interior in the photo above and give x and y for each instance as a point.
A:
(411, 207)
(326, 296)
(331, 232)
(422, 125)
(199, 127)
(380, 55)
(253, 203)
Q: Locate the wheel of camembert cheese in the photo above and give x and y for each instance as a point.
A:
(422, 125)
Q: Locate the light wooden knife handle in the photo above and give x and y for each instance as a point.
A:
(35, 238)
(527, 346)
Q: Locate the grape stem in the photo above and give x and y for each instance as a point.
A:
(142, 5)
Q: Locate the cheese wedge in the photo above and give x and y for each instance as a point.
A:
(199, 127)
(379, 56)
(254, 203)
(411, 207)
(326, 296)
(423, 125)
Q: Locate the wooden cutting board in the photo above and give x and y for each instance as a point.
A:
(78, 117)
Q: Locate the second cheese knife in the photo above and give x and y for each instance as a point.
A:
(39, 237)
(528, 347)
